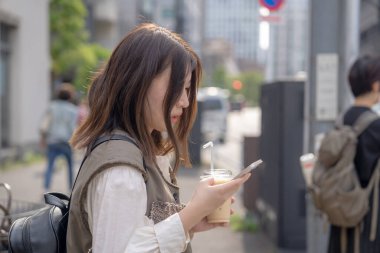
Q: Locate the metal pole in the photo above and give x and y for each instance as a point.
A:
(1, 91)
(326, 18)
(350, 46)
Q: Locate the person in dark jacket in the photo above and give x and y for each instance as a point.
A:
(364, 80)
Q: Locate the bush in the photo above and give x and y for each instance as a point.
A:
(243, 224)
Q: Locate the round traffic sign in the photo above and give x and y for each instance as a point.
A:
(272, 5)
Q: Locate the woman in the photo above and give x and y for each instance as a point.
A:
(121, 201)
(364, 80)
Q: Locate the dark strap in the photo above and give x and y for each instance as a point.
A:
(57, 199)
(97, 142)
(105, 138)
(101, 140)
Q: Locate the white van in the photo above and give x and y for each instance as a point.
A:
(215, 108)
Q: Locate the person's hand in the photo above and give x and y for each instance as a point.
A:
(206, 198)
(203, 225)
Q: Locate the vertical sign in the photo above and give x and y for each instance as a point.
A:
(326, 87)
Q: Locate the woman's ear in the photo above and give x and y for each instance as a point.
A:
(376, 86)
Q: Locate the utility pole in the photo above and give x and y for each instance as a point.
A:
(1, 92)
(334, 44)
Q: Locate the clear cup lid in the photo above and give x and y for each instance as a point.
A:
(220, 173)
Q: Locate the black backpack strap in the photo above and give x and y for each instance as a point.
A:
(105, 138)
(364, 120)
(57, 199)
(117, 137)
(99, 141)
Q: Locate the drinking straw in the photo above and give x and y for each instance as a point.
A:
(210, 144)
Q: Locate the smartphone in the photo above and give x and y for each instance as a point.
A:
(248, 169)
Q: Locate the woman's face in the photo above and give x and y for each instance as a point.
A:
(155, 99)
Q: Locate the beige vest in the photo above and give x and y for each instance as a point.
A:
(162, 196)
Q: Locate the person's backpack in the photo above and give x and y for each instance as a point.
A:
(336, 189)
(45, 230)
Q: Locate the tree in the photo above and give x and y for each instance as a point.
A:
(219, 77)
(251, 82)
(73, 57)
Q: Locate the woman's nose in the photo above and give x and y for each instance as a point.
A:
(184, 100)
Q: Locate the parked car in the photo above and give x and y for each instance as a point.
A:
(237, 102)
(215, 108)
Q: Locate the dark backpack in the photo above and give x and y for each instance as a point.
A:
(45, 230)
(336, 189)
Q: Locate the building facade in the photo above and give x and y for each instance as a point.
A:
(193, 13)
(288, 40)
(24, 72)
(110, 20)
(370, 27)
(237, 22)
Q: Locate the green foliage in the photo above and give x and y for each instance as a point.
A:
(87, 59)
(219, 77)
(67, 30)
(243, 224)
(72, 55)
(28, 159)
(251, 84)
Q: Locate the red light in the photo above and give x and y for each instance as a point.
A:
(237, 85)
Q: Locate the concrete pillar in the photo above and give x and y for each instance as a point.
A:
(334, 43)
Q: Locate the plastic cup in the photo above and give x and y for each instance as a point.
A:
(221, 214)
(307, 163)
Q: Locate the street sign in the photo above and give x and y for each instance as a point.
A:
(327, 86)
(272, 5)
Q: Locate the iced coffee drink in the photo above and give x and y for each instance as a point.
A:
(222, 213)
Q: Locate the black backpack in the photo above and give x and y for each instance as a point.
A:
(45, 230)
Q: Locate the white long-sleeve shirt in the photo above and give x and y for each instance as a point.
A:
(116, 206)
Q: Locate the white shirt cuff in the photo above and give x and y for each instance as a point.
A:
(171, 236)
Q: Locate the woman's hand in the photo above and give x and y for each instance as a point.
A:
(203, 225)
(206, 198)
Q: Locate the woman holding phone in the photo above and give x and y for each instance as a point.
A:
(122, 202)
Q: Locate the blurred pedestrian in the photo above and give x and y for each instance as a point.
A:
(56, 128)
(121, 201)
(364, 80)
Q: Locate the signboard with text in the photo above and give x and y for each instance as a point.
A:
(326, 87)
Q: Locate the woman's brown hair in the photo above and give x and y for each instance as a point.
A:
(117, 94)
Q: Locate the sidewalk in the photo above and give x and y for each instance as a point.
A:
(27, 184)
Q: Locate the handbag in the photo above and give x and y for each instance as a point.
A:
(45, 230)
